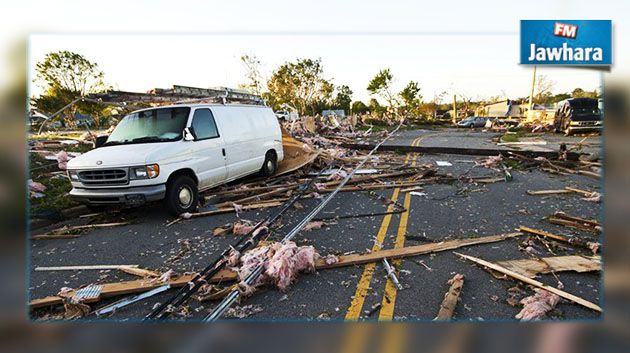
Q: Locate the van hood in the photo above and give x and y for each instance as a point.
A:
(120, 155)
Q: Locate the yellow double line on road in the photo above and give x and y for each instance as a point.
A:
(389, 298)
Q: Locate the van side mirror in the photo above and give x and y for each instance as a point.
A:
(100, 140)
(189, 134)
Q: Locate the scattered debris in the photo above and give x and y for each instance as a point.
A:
(594, 246)
(533, 282)
(241, 312)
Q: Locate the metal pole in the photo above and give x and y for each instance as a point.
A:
(531, 94)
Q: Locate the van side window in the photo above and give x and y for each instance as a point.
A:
(204, 125)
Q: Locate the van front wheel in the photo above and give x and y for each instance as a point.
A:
(270, 165)
(181, 195)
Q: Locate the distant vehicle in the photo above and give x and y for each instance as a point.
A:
(578, 114)
(285, 115)
(472, 122)
(172, 153)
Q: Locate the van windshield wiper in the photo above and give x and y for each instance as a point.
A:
(149, 139)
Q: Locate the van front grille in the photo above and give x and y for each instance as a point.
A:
(104, 177)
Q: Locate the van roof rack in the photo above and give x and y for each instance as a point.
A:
(182, 95)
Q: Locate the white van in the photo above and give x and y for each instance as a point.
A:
(174, 152)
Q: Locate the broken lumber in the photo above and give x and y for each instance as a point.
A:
(533, 282)
(548, 192)
(374, 256)
(573, 156)
(81, 268)
(447, 308)
(569, 240)
(141, 272)
(129, 287)
(533, 267)
(225, 275)
(61, 233)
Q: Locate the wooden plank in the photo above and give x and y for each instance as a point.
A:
(548, 192)
(139, 272)
(80, 268)
(359, 259)
(533, 282)
(129, 287)
(573, 156)
(579, 191)
(591, 222)
(447, 308)
(570, 240)
(532, 267)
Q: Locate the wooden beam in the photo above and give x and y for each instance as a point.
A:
(463, 151)
(569, 240)
(533, 282)
(447, 308)
(375, 256)
(81, 268)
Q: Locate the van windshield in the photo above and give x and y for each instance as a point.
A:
(154, 125)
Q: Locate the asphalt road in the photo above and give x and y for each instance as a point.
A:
(445, 212)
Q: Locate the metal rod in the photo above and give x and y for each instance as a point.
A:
(122, 303)
(392, 274)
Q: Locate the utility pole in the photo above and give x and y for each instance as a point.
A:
(454, 109)
(531, 95)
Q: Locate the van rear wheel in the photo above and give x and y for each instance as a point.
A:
(181, 195)
(270, 165)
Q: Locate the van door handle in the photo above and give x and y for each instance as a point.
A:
(223, 151)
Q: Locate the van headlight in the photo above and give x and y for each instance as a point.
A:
(145, 172)
(73, 175)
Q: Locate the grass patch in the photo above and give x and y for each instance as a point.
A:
(57, 186)
(510, 137)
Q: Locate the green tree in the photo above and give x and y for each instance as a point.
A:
(381, 85)
(359, 107)
(411, 99)
(580, 93)
(65, 76)
(300, 84)
(375, 106)
(343, 99)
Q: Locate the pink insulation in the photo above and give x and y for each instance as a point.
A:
(35, 186)
(538, 305)
(62, 160)
(490, 162)
(281, 263)
(313, 225)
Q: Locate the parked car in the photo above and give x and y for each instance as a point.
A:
(578, 114)
(472, 122)
(173, 153)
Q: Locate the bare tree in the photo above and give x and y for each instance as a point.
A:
(544, 86)
(252, 67)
